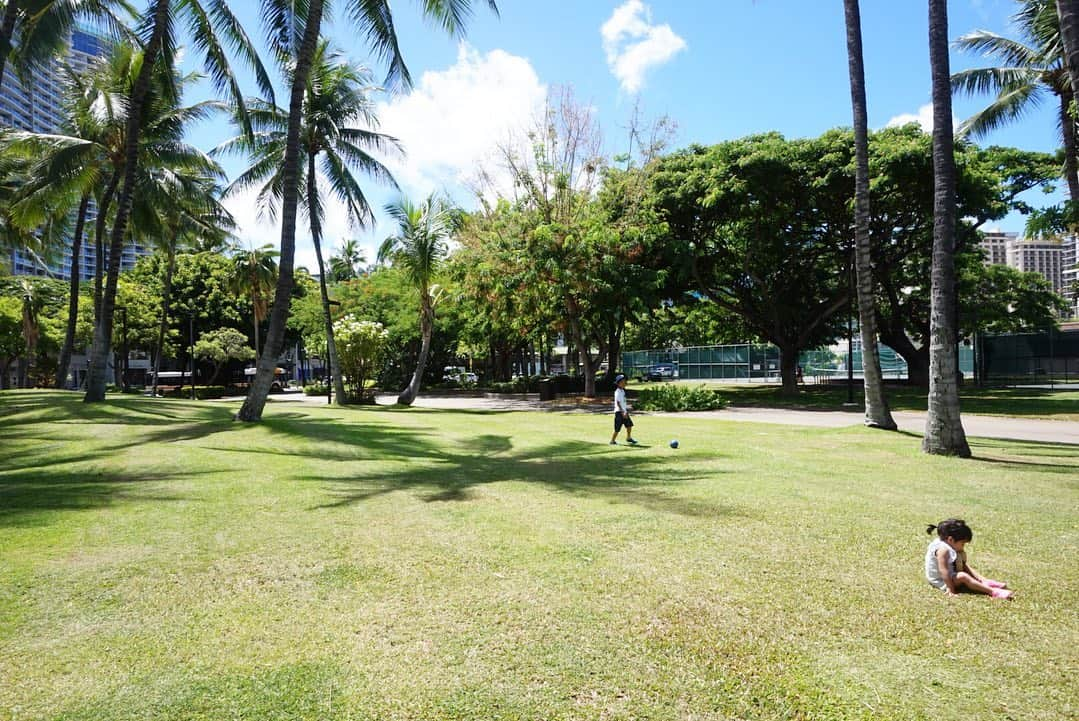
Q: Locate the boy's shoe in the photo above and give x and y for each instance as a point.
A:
(614, 443)
(632, 442)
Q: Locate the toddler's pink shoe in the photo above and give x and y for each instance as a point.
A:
(995, 584)
(1002, 593)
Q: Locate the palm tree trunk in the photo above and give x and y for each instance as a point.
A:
(255, 319)
(944, 433)
(73, 293)
(1071, 154)
(95, 386)
(7, 31)
(316, 238)
(99, 240)
(260, 387)
(877, 414)
(1068, 14)
(166, 301)
(427, 326)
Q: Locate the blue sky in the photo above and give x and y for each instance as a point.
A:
(720, 69)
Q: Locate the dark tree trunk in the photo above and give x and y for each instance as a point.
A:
(95, 385)
(1068, 13)
(99, 240)
(7, 32)
(788, 369)
(73, 291)
(917, 359)
(877, 413)
(316, 238)
(944, 433)
(253, 405)
(427, 323)
(1071, 154)
(166, 301)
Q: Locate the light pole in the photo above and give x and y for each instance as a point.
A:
(850, 335)
(191, 350)
(122, 310)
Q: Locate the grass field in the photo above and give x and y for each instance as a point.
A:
(158, 561)
(1060, 405)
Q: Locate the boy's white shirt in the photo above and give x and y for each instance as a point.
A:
(620, 400)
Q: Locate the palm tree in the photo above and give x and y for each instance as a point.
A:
(877, 413)
(43, 27)
(419, 249)
(1028, 72)
(374, 20)
(347, 263)
(254, 274)
(337, 93)
(159, 48)
(84, 161)
(943, 427)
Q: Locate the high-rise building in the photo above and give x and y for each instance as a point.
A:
(1069, 261)
(995, 245)
(36, 106)
(1039, 256)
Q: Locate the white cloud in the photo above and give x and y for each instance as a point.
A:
(449, 126)
(633, 45)
(255, 231)
(923, 117)
(452, 122)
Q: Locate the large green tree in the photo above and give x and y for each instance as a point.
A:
(756, 236)
(299, 40)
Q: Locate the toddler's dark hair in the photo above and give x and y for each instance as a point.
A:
(955, 528)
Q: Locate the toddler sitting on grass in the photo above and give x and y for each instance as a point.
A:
(946, 564)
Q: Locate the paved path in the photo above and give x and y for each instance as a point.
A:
(1021, 429)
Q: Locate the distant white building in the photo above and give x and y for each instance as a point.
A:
(995, 244)
(1045, 257)
(1069, 260)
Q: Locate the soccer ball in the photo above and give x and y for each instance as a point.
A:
(674, 444)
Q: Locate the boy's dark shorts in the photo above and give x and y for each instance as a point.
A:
(621, 420)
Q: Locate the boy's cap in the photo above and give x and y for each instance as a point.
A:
(619, 378)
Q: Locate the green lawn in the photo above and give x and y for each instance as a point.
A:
(1026, 402)
(158, 561)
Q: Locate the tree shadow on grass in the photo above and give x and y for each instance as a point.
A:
(143, 422)
(29, 496)
(571, 467)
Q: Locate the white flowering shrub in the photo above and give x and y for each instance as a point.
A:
(360, 345)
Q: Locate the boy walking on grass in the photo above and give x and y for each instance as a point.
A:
(621, 412)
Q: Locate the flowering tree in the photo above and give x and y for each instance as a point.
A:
(360, 344)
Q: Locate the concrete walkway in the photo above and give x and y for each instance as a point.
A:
(1011, 428)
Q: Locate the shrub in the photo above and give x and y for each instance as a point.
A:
(315, 389)
(675, 397)
(201, 392)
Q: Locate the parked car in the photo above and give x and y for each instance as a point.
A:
(458, 374)
(662, 372)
